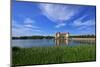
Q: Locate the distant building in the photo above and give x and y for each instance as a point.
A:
(60, 35)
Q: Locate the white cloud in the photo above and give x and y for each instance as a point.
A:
(31, 29)
(16, 32)
(15, 24)
(28, 21)
(28, 27)
(88, 25)
(79, 22)
(59, 12)
(60, 25)
(31, 26)
(84, 25)
(24, 31)
(88, 30)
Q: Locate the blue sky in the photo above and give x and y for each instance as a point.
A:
(29, 18)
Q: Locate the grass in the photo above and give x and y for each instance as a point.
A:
(54, 54)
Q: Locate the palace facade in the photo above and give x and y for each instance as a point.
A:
(60, 35)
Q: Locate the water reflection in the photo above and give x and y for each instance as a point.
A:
(61, 41)
(51, 42)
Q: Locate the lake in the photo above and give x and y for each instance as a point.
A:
(27, 43)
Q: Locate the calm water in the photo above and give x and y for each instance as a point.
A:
(47, 42)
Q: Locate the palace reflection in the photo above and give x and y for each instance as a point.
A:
(61, 41)
(62, 38)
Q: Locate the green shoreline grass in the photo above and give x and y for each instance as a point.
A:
(53, 55)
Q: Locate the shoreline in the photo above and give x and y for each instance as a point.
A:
(84, 39)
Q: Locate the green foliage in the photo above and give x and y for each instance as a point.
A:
(15, 48)
(54, 54)
(33, 37)
(51, 37)
(83, 36)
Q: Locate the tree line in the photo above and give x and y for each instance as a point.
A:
(52, 37)
(33, 37)
(83, 36)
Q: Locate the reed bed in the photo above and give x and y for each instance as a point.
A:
(53, 55)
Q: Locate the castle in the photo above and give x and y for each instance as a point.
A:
(60, 35)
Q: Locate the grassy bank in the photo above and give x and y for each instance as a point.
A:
(55, 54)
